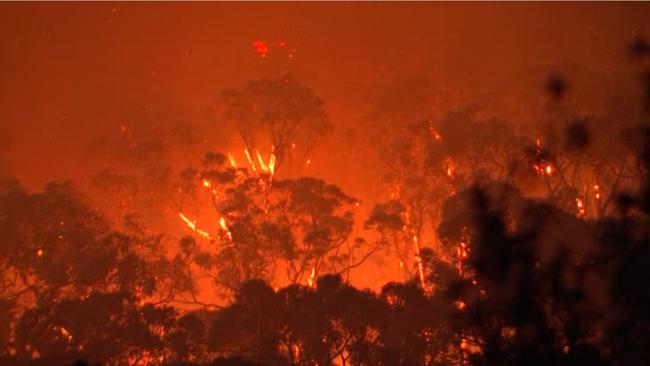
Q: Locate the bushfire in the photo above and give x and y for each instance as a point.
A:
(277, 184)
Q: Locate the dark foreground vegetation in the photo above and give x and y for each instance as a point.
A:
(516, 279)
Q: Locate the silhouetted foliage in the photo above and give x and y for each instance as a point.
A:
(556, 86)
(519, 271)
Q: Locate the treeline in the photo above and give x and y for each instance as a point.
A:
(541, 252)
(540, 287)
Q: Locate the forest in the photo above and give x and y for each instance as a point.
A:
(506, 242)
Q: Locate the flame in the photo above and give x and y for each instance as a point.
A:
(251, 163)
(192, 225)
(307, 162)
(39, 252)
(263, 166)
(231, 158)
(206, 184)
(310, 280)
(272, 164)
(266, 167)
(222, 223)
(542, 167)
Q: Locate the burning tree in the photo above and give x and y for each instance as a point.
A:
(426, 160)
(267, 226)
(300, 227)
(136, 160)
(278, 113)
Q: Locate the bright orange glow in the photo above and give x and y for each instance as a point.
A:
(435, 133)
(597, 191)
(450, 168)
(260, 48)
(469, 347)
(39, 252)
(251, 163)
(66, 334)
(231, 158)
(544, 169)
(224, 227)
(418, 260)
(272, 164)
(263, 165)
(460, 305)
(310, 281)
(206, 184)
(580, 204)
(548, 170)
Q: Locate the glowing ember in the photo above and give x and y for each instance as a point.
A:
(251, 163)
(548, 170)
(580, 204)
(450, 168)
(544, 169)
(460, 305)
(597, 191)
(260, 48)
(39, 252)
(462, 253)
(263, 49)
(65, 333)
